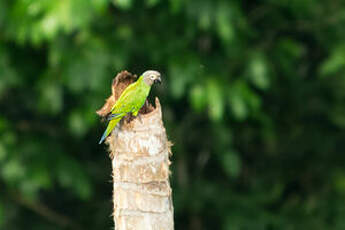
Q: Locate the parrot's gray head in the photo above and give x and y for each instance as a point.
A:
(151, 76)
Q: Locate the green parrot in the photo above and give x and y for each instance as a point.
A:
(131, 99)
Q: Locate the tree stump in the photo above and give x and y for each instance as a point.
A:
(139, 150)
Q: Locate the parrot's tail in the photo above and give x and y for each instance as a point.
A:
(110, 127)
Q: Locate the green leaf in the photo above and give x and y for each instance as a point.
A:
(13, 171)
(205, 20)
(29, 189)
(181, 73)
(215, 100)
(335, 63)
(87, 66)
(231, 163)
(77, 123)
(49, 26)
(123, 4)
(238, 106)
(339, 182)
(176, 5)
(40, 175)
(178, 84)
(8, 75)
(258, 72)
(3, 11)
(224, 23)
(291, 48)
(198, 97)
(203, 14)
(337, 116)
(242, 100)
(152, 3)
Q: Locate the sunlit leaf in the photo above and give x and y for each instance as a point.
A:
(215, 100)
(258, 72)
(123, 4)
(238, 106)
(242, 100)
(13, 170)
(224, 24)
(198, 97)
(334, 63)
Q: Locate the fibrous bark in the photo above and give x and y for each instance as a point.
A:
(140, 151)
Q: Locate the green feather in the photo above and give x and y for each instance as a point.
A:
(130, 101)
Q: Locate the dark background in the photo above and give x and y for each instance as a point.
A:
(253, 99)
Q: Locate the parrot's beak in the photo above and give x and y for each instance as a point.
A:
(158, 80)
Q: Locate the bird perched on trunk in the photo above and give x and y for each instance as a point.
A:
(131, 99)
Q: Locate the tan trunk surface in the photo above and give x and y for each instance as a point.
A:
(140, 151)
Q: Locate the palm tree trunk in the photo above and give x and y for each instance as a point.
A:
(140, 151)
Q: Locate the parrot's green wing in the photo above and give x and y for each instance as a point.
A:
(132, 98)
(130, 101)
(127, 100)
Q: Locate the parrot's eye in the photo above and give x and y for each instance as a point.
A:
(152, 77)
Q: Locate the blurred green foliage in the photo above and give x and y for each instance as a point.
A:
(253, 99)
